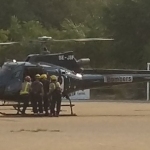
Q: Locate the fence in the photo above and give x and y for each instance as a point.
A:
(121, 92)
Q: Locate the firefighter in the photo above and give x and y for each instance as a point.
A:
(25, 92)
(46, 92)
(37, 94)
(55, 93)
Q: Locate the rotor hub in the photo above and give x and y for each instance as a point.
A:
(44, 38)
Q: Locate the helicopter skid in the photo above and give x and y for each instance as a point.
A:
(17, 107)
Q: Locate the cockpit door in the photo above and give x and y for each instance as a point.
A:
(14, 86)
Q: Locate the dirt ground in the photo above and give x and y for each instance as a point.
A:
(97, 126)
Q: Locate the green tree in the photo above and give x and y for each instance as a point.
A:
(128, 22)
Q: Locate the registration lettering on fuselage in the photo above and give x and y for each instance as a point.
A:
(110, 79)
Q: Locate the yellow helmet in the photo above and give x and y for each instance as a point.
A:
(53, 77)
(43, 76)
(37, 75)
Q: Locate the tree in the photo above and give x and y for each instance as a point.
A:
(124, 20)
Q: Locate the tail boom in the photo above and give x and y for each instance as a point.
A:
(95, 81)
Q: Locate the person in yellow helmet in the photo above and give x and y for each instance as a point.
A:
(37, 94)
(46, 92)
(55, 93)
(24, 92)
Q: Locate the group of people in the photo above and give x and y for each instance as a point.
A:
(42, 90)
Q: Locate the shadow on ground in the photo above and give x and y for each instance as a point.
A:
(4, 115)
(9, 115)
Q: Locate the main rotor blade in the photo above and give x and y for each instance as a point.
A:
(83, 40)
(46, 39)
(9, 43)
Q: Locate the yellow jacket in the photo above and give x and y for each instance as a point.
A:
(53, 86)
(25, 89)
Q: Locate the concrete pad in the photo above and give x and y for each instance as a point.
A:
(97, 126)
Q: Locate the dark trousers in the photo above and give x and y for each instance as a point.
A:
(55, 102)
(46, 103)
(37, 102)
(25, 99)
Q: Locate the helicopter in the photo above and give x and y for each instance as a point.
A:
(12, 74)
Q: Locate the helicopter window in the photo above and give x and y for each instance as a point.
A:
(32, 71)
(4, 69)
(28, 58)
(16, 74)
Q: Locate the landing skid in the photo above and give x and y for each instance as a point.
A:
(3, 103)
(18, 107)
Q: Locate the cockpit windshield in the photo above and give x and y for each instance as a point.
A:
(5, 73)
(4, 69)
